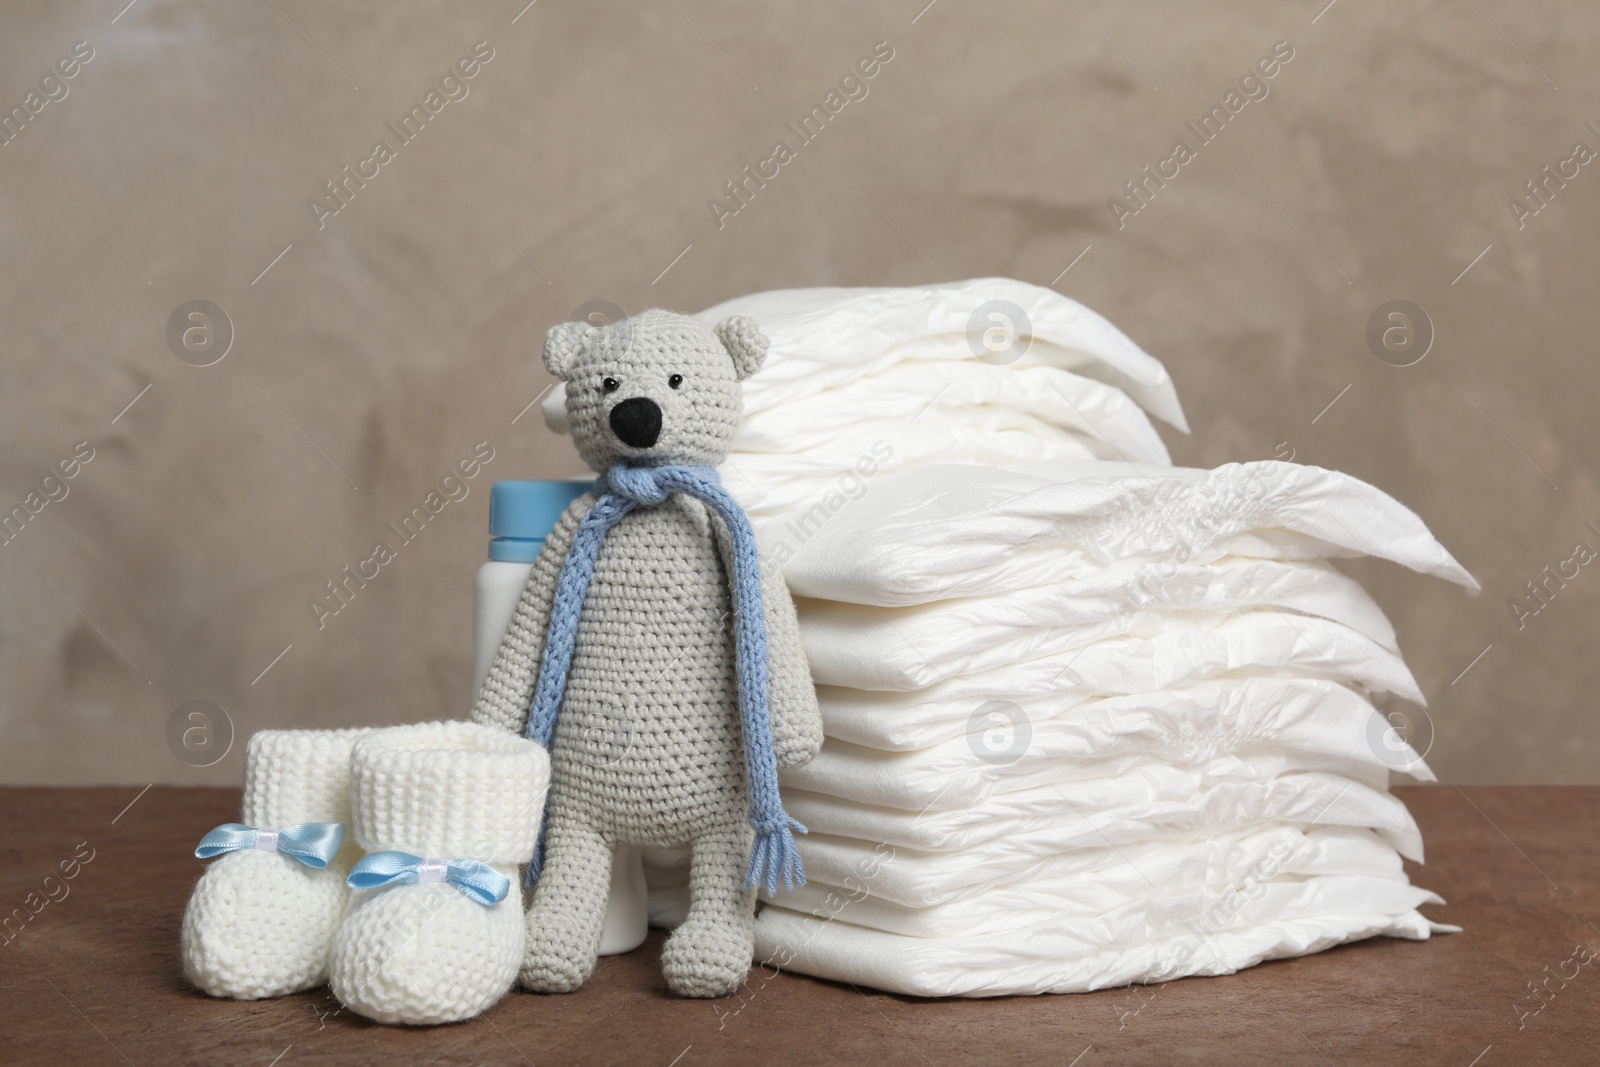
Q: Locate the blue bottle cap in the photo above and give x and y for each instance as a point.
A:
(522, 514)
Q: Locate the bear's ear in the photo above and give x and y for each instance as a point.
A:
(562, 345)
(745, 343)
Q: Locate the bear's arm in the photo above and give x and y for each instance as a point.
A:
(796, 719)
(508, 689)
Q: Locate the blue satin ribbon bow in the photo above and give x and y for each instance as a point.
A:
(476, 880)
(312, 843)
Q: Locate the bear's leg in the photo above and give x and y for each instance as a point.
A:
(568, 910)
(709, 955)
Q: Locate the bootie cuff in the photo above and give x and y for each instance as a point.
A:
(451, 789)
(295, 776)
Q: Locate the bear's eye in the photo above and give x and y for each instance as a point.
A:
(610, 385)
(674, 381)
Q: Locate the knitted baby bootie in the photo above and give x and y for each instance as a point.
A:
(261, 921)
(434, 933)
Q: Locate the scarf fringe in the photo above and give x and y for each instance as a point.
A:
(776, 852)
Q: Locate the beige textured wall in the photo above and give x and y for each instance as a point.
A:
(380, 348)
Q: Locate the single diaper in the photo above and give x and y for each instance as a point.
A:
(1064, 961)
(1136, 806)
(1039, 401)
(956, 531)
(793, 491)
(1183, 724)
(1099, 915)
(798, 460)
(927, 894)
(917, 879)
(925, 642)
(1182, 651)
(1307, 723)
(823, 338)
(1015, 793)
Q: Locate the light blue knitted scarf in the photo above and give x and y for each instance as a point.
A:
(622, 489)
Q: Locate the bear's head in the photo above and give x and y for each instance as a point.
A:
(654, 390)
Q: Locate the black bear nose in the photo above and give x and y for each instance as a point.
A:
(637, 421)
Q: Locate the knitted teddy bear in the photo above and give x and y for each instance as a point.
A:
(655, 657)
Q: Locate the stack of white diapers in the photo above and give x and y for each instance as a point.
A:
(1091, 719)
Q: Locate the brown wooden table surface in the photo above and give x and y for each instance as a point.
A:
(94, 976)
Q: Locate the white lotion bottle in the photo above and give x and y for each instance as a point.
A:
(521, 515)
